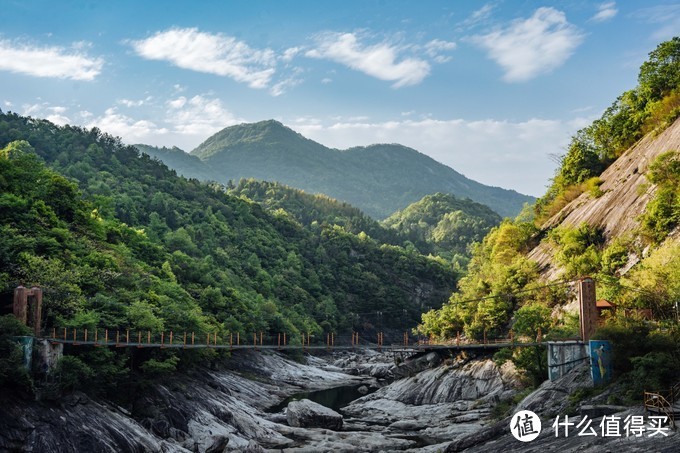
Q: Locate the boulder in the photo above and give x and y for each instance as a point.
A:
(308, 414)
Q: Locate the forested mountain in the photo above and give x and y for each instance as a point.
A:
(445, 224)
(117, 240)
(611, 213)
(315, 211)
(175, 158)
(378, 179)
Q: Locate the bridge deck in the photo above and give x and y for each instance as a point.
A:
(373, 346)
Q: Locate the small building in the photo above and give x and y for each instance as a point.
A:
(603, 306)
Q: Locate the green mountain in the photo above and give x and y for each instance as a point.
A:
(445, 223)
(192, 166)
(117, 241)
(378, 179)
(316, 210)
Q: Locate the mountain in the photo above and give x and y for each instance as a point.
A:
(447, 224)
(192, 166)
(618, 210)
(379, 179)
(612, 213)
(314, 210)
(120, 241)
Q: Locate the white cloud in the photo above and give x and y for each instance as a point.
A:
(382, 61)
(605, 11)
(435, 48)
(55, 62)
(130, 129)
(217, 54)
(284, 85)
(198, 117)
(184, 121)
(131, 103)
(469, 147)
(477, 17)
(55, 114)
(290, 53)
(537, 45)
(666, 18)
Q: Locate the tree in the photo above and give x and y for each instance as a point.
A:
(532, 318)
(660, 74)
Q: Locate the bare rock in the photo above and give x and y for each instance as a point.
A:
(308, 414)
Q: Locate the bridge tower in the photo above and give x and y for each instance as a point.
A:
(588, 307)
(27, 307)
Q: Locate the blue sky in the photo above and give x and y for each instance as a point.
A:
(492, 89)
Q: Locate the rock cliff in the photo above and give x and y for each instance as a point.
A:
(625, 196)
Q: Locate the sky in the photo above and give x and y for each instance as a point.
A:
(493, 89)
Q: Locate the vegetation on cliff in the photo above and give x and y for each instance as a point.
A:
(636, 272)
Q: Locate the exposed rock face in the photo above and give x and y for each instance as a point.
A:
(549, 401)
(74, 424)
(308, 414)
(438, 404)
(617, 210)
(206, 411)
(550, 398)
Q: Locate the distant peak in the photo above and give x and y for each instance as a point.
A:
(263, 132)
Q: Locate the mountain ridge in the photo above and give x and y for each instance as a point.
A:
(379, 178)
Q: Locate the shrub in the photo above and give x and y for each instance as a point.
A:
(74, 373)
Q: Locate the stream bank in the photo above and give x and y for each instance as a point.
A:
(426, 404)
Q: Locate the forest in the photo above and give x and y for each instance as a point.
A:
(117, 240)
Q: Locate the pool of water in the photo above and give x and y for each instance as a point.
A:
(334, 398)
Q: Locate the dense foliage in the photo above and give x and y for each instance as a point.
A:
(500, 280)
(120, 241)
(444, 225)
(378, 179)
(650, 107)
(501, 290)
(663, 211)
(314, 210)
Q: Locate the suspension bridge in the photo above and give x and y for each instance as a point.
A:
(260, 341)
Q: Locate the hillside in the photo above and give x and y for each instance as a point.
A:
(314, 210)
(612, 213)
(446, 224)
(617, 212)
(118, 241)
(378, 179)
(175, 158)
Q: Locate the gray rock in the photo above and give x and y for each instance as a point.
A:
(308, 414)
(550, 398)
(599, 410)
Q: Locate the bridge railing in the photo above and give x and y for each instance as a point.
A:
(170, 339)
(283, 340)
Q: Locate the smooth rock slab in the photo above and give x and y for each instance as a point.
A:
(308, 414)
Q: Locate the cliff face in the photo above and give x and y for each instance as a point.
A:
(626, 194)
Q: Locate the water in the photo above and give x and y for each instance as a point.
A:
(334, 398)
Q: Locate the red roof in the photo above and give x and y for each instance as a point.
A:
(604, 303)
